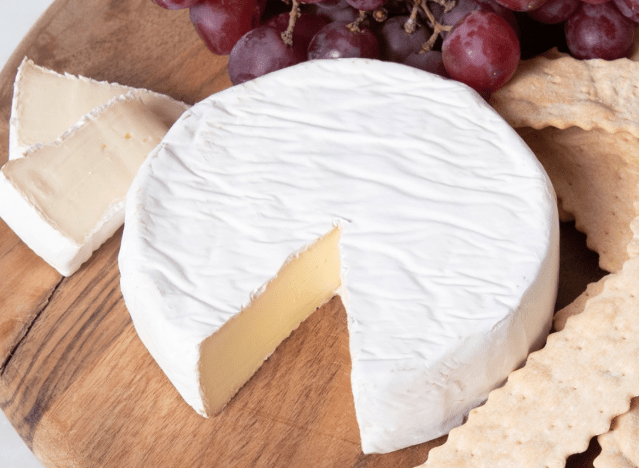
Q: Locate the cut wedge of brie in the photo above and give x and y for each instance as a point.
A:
(66, 198)
(402, 192)
(46, 104)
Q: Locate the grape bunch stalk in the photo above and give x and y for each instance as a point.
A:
(477, 42)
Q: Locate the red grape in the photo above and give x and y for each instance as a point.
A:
(341, 13)
(395, 44)
(521, 5)
(599, 31)
(335, 40)
(332, 3)
(261, 7)
(366, 5)
(437, 11)
(259, 52)
(430, 61)
(175, 4)
(278, 22)
(633, 5)
(306, 27)
(595, 2)
(401, 7)
(622, 6)
(482, 51)
(463, 7)
(221, 23)
(274, 8)
(554, 11)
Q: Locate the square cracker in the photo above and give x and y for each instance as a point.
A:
(596, 176)
(581, 118)
(560, 91)
(594, 289)
(619, 447)
(577, 306)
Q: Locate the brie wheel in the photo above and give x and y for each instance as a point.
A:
(400, 191)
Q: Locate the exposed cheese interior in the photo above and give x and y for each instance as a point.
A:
(73, 183)
(232, 355)
(47, 103)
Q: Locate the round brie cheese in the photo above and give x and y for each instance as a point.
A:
(448, 237)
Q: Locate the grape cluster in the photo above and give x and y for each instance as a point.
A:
(476, 42)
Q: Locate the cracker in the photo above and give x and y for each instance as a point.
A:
(633, 247)
(581, 118)
(619, 447)
(594, 289)
(554, 53)
(566, 393)
(577, 306)
(564, 92)
(596, 177)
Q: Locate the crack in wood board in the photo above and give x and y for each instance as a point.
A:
(46, 301)
(41, 375)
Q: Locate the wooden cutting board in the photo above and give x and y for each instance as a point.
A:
(76, 382)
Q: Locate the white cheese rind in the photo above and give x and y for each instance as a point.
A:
(449, 248)
(48, 238)
(52, 103)
(57, 249)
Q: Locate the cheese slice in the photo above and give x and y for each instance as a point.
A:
(45, 104)
(402, 192)
(66, 198)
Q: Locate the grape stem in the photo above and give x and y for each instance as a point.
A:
(447, 4)
(438, 28)
(287, 36)
(411, 22)
(354, 26)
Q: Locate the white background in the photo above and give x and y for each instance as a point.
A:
(16, 18)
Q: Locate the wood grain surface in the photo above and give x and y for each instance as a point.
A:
(76, 382)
